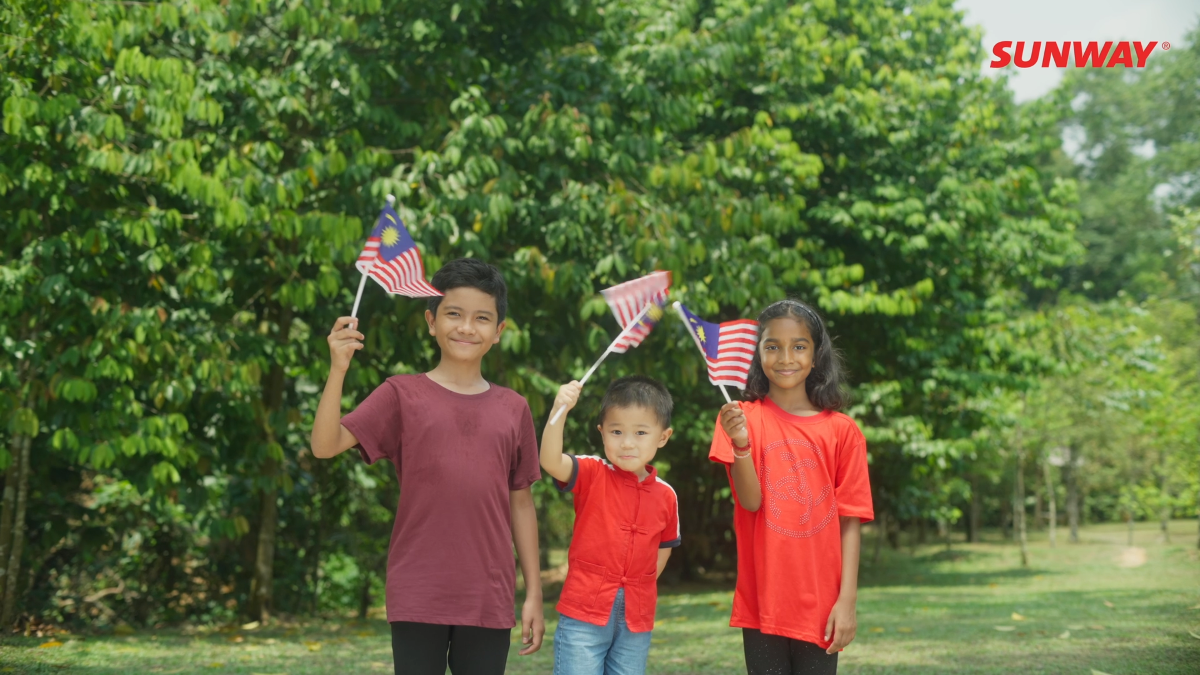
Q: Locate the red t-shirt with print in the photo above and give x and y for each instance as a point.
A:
(812, 470)
(620, 524)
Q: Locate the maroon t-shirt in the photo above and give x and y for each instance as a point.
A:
(457, 456)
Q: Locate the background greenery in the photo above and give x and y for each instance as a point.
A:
(184, 187)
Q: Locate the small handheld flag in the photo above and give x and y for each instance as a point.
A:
(638, 306)
(391, 258)
(627, 301)
(728, 347)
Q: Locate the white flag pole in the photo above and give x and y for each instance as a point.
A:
(603, 356)
(679, 309)
(391, 199)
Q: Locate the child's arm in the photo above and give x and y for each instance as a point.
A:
(843, 623)
(329, 437)
(745, 477)
(553, 461)
(525, 539)
(663, 555)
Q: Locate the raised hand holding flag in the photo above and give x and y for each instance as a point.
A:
(391, 258)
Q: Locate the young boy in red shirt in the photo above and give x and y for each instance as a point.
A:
(626, 523)
(465, 453)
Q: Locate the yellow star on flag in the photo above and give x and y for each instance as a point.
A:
(389, 236)
(700, 334)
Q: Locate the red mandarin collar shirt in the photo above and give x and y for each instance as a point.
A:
(620, 524)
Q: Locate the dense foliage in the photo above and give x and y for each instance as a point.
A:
(185, 186)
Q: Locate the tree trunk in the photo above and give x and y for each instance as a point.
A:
(976, 512)
(11, 589)
(1019, 508)
(1051, 503)
(1164, 513)
(364, 597)
(881, 527)
(7, 508)
(264, 560)
(1072, 494)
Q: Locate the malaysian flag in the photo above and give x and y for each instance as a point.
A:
(629, 304)
(728, 347)
(391, 258)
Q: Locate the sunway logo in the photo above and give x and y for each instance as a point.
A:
(1086, 53)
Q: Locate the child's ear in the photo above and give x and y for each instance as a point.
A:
(666, 434)
(429, 320)
(499, 330)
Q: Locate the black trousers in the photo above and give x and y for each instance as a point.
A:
(427, 648)
(778, 655)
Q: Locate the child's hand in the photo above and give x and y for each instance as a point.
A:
(733, 420)
(568, 395)
(343, 341)
(533, 625)
(842, 625)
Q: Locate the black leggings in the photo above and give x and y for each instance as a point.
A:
(777, 655)
(427, 648)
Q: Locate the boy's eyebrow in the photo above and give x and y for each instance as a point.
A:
(478, 311)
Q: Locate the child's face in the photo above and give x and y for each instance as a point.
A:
(786, 352)
(632, 436)
(466, 325)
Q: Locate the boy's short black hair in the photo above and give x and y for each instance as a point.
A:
(471, 273)
(639, 391)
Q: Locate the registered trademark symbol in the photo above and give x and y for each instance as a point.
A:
(1166, 46)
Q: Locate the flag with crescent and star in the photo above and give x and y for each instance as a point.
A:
(391, 258)
(728, 347)
(627, 301)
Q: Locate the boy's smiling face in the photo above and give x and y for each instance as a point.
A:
(466, 325)
(632, 435)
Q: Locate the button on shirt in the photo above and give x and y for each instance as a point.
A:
(620, 524)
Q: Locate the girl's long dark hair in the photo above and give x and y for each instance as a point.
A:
(824, 384)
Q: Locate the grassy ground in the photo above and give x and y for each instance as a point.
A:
(1095, 606)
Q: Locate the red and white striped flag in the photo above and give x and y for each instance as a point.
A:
(728, 347)
(391, 258)
(629, 299)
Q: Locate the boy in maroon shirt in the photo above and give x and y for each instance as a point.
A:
(465, 454)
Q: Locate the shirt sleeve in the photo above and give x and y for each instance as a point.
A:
(721, 449)
(582, 475)
(852, 486)
(525, 469)
(671, 536)
(377, 425)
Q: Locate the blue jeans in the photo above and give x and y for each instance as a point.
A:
(582, 648)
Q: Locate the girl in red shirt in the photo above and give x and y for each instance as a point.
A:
(798, 469)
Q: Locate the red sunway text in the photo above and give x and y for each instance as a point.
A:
(1029, 54)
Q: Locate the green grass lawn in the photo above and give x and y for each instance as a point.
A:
(1094, 606)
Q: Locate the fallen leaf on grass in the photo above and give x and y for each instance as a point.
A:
(1194, 634)
(1064, 635)
(50, 645)
(904, 629)
(1109, 604)
(1004, 629)
(878, 629)
(251, 626)
(1017, 617)
(313, 646)
(237, 638)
